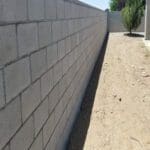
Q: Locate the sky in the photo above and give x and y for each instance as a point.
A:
(102, 4)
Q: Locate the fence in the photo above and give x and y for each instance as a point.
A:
(47, 51)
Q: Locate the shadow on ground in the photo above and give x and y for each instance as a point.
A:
(79, 131)
(134, 35)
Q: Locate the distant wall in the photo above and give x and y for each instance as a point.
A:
(115, 23)
(48, 49)
(147, 22)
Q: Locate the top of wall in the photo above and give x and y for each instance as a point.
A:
(84, 4)
(22, 11)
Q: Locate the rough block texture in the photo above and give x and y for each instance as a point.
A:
(10, 119)
(36, 9)
(41, 115)
(48, 49)
(27, 38)
(13, 10)
(38, 64)
(45, 34)
(17, 78)
(23, 139)
(8, 44)
(52, 55)
(37, 145)
(30, 99)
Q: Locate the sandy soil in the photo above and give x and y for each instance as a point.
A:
(115, 114)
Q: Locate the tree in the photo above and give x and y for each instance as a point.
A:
(117, 5)
(132, 14)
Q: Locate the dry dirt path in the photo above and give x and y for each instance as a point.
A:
(117, 115)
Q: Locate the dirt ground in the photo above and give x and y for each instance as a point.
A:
(115, 113)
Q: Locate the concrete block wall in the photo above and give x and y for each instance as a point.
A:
(116, 25)
(48, 49)
(147, 20)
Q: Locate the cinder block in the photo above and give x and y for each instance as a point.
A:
(65, 29)
(45, 36)
(46, 83)
(40, 116)
(61, 126)
(38, 63)
(50, 6)
(52, 56)
(53, 98)
(13, 10)
(17, 78)
(55, 138)
(52, 143)
(71, 26)
(30, 99)
(65, 64)
(67, 10)
(36, 9)
(8, 48)
(65, 98)
(73, 41)
(60, 9)
(23, 139)
(62, 86)
(56, 31)
(10, 121)
(37, 144)
(68, 45)
(6, 147)
(57, 72)
(58, 111)
(2, 100)
(27, 38)
(48, 129)
(61, 49)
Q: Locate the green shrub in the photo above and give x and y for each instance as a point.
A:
(132, 14)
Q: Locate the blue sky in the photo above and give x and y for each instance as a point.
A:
(102, 4)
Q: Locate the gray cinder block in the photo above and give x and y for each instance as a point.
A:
(48, 129)
(56, 31)
(53, 98)
(38, 63)
(45, 35)
(30, 99)
(50, 8)
(17, 78)
(36, 9)
(8, 46)
(52, 55)
(38, 143)
(41, 115)
(46, 83)
(27, 38)
(10, 121)
(61, 49)
(24, 137)
(13, 10)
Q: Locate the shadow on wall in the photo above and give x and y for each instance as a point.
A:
(81, 125)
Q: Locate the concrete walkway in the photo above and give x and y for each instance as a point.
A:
(115, 113)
